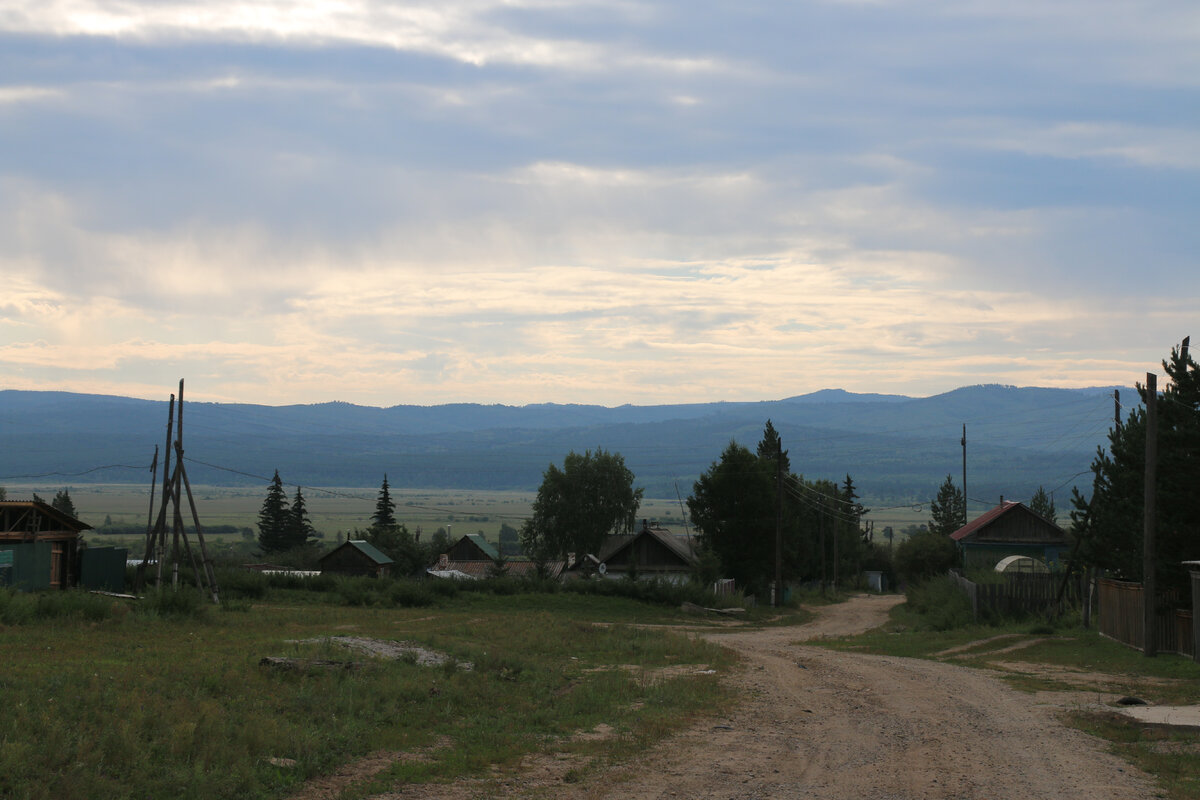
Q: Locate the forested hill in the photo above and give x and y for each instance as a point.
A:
(897, 448)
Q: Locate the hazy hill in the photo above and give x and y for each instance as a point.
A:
(897, 448)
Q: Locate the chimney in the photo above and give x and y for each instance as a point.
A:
(443, 561)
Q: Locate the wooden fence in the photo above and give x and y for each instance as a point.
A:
(1018, 594)
(1122, 617)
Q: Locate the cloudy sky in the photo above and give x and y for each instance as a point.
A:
(600, 202)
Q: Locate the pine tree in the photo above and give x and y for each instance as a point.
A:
(385, 509)
(62, 502)
(300, 529)
(768, 447)
(274, 519)
(1042, 504)
(1110, 522)
(948, 512)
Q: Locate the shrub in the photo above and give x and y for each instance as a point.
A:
(941, 605)
(925, 555)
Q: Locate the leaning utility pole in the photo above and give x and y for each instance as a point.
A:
(1149, 627)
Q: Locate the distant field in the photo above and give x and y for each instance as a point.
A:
(333, 510)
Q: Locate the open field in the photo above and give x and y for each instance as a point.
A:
(342, 510)
(140, 705)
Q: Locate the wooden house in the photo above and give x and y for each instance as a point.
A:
(356, 557)
(43, 542)
(653, 553)
(1010, 529)
(474, 557)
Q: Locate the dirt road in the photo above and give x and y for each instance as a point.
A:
(817, 723)
(836, 725)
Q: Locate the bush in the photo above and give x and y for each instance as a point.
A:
(925, 555)
(941, 605)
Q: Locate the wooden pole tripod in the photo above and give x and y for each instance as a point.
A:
(174, 482)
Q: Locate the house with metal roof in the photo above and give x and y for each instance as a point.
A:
(474, 557)
(39, 545)
(356, 557)
(1010, 529)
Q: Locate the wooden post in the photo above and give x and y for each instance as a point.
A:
(778, 522)
(964, 449)
(1149, 627)
(821, 530)
(160, 525)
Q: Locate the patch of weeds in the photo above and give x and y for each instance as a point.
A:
(1172, 755)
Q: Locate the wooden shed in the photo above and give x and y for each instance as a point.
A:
(1010, 529)
(44, 543)
(356, 557)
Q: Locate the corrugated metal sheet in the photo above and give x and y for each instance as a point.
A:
(103, 568)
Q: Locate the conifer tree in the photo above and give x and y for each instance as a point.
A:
(62, 502)
(1042, 504)
(385, 509)
(274, 519)
(948, 512)
(300, 529)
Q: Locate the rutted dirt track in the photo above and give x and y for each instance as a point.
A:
(817, 723)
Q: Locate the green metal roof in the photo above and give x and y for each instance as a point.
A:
(370, 551)
(483, 545)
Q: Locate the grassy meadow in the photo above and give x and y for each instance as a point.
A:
(123, 699)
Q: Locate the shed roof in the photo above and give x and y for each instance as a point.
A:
(68, 522)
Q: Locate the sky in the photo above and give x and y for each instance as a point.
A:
(613, 202)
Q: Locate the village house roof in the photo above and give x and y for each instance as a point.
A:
(1018, 522)
(366, 548)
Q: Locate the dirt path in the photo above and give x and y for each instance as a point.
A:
(833, 725)
(846, 726)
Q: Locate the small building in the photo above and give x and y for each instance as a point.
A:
(473, 557)
(653, 553)
(44, 543)
(356, 557)
(1010, 529)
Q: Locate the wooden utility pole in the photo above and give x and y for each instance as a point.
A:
(778, 521)
(964, 449)
(821, 530)
(1149, 604)
(1116, 408)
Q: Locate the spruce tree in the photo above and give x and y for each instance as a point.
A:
(274, 519)
(385, 509)
(300, 529)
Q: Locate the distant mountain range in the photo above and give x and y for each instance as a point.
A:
(896, 448)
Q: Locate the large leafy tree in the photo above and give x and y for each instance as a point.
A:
(948, 512)
(733, 506)
(1110, 522)
(274, 519)
(580, 504)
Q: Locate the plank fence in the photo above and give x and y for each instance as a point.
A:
(1019, 594)
(1121, 612)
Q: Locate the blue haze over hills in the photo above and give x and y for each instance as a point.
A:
(897, 448)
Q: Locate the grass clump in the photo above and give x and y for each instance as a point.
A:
(939, 605)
